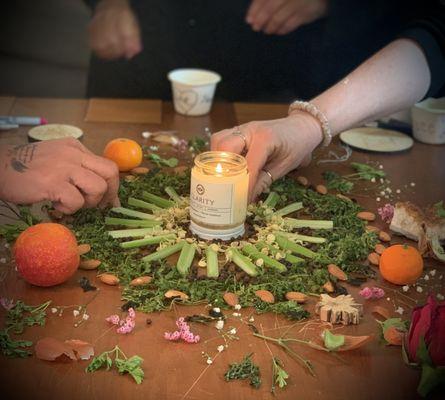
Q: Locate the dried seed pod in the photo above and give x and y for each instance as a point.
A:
(170, 294)
(302, 180)
(166, 138)
(296, 296)
(89, 264)
(384, 236)
(231, 299)
(370, 228)
(374, 258)
(338, 310)
(141, 280)
(322, 189)
(130, 178)
(329, 287)
(109, 279)
(337, 272)
(265, 296)
(366, 216)
(343, 197)
(83, 249)
(140, 171)
(379, 248)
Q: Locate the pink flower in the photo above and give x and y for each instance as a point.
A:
(183, 333)
(125, 325)
(386, 212)
(366, 292)
(113, 319)
(7, 304)
(372, 293)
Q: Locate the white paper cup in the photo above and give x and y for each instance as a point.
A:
(193, 90)
(428, 119)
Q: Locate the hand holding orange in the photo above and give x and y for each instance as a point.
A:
(126, 153)
(401, 264)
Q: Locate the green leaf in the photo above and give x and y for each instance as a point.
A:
(397, 323)
(279, 374)
(440, 210)
(98, 362)
(422, 352)
(431, 377)
(131, 366)
(159, 161)
(367, 172)
(331, 341)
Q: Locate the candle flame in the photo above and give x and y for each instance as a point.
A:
(219, 168)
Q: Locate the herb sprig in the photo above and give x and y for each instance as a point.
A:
(245, 369)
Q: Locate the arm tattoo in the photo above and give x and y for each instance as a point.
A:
(21, 156)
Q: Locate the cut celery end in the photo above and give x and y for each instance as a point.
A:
(303, 238)
(289, 209)
(286, 244)
(212, 263)
(164, 253)
(287, 256)
(243, 262)
(126, 233)
(157, 200)
(136, 223)
(185, 259)
(271, 200)
(147, 241)
(142, 204)
(173, 194)
(251, 250)
(132, 213)
(309, 223)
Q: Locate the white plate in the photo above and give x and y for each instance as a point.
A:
(376, 139)
(54, 131)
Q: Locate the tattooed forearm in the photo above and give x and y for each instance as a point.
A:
(21, 156)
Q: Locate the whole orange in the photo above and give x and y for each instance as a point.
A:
(46, 254)
(401, 264)
(126, 153)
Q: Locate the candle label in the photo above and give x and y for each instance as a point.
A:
(211, 203)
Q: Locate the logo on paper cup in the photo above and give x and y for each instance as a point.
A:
(200, 189)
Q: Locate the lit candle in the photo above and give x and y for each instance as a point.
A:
(218, 195)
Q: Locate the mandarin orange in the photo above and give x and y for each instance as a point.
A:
(126, 153)
(401, 264)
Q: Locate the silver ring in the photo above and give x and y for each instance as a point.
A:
(237, 132)
(268, 173)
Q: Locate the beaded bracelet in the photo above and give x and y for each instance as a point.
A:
(317, 114)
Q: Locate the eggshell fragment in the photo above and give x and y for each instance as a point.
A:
(51, 349)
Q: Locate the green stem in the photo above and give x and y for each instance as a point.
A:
(243, 262)
(212, 263)
(286, 244)
(303, 238)
(141, 223)
(132, 213)
(308, 223)
(251, 251)
(185, 259)
(271, 200)
(142, 204)
(147, 241)
(128, 233)
(289, 209)
(164, 253)
(287, 256)
(157, 200)
(173, 194)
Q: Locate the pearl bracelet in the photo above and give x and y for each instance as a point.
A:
(317, 114)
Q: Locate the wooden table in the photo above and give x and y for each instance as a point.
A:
(177, 370)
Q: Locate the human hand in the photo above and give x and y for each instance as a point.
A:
(278, 146)
(114, 30)
(62, 171)
(281, 17)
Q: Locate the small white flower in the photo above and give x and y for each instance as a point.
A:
(426, 277)
(382, 192)
(400, 310)
(54, 310)
(433, 272)
(236, 314)
(3, 260)
(378, 199)
(232, 331)
(76, 313)
(85, 316)
(251, 319)
(209, 361)
(154, 148)
(237, 307)
(219, 324)
(216, 310)
(398, 191)
(373, 180)
(381, 180)
(419, 289)
(405, 288)
(413, 184)
(440, 297)
(388, 299)
(380, 166)
(146, 135)
(220, 348)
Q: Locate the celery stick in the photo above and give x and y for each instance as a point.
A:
(158, 201)
(289, 209)
(308, 223)
(303, 238)
(172, 193)
(141, 223)
(123, 233)
(142, 204)
(146, 241)
(286, 244)
(271, 200)
(132, 213)
(243, 262)
(185, 259)
(212, 263)
(164, 253)
(287, 256)
(252, 251)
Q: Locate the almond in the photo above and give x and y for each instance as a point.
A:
(89, 264)
(141, 280)
(321, 189)
(337, 272)
(379, 248)
(393, 336)
(129, 178)
(109, 279)
(384, 236)
(366, 215)
(171, 294)
(231, 299)
(83, 249)
(328, 287)
(370, 228)
(140, 171)
(343, 197)
(302, 180)
(265, 296)
(374, 258)
(296, 296)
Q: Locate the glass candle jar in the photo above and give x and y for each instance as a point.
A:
(218, 195)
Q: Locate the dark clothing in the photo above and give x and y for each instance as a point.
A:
(253, 66)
